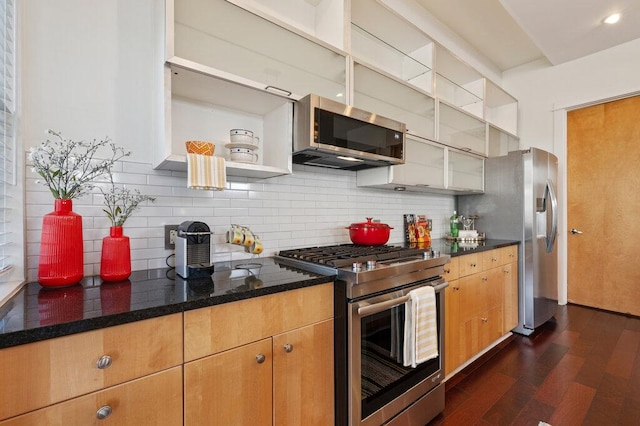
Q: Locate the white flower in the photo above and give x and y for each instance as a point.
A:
(121, 202)
(69, 167)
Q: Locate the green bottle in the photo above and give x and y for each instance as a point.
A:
(453, 225)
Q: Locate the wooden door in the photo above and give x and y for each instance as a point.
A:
(510, 281)
(603, 202)
(303, 376)
(230, 388)
(452, 358)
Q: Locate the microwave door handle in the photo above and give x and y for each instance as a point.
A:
(365, 309)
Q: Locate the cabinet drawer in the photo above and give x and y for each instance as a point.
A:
(43, 373)
(452, 269)
(152, 400)
(509, 254)
(218, 328)
(491, 259)
(470, 264)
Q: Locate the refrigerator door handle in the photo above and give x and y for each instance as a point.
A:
(551, 238)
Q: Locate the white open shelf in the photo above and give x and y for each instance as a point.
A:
(206, 108)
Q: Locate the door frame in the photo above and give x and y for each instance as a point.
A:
(560, 148)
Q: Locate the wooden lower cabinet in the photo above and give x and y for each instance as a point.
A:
(261, 361)
(234, 387)
(284, 380)
(303, 376)
(152, 400)
(40, 374)
(510, 279)
(479, 304)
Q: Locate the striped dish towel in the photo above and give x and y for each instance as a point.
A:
(206, 172)
(421, 332)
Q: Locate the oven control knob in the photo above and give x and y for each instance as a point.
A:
(426, 255)
(356, 266)
(371, 264)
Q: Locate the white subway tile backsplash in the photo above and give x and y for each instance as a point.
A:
(313, 206)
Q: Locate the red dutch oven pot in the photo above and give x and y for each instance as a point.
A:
(369, 233)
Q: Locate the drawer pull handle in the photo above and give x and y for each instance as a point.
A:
(485, 319)
(494, 259)
(485, 279)
(447, 271)
(260, 358)
(288, 347)
(473, 265)
(104, 362)
(104, 412)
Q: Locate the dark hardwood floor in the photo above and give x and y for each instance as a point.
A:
(580, 368)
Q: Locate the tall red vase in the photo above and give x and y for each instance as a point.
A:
(61, 260)
(115, 263)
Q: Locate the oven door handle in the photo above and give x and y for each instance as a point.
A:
(365, 308)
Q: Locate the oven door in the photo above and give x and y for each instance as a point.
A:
(380, 385)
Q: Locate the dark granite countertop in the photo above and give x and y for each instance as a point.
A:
(38, 313)
(467, 247)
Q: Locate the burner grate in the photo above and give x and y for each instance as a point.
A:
(342, 255)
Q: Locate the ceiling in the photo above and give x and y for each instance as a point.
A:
(515, 32)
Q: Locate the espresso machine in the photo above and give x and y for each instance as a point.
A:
(193, 250)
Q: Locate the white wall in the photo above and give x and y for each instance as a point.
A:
(541, 89)
(546, 93)
(92, 69)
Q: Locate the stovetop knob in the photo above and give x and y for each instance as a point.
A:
(356, 266)
(371, 264)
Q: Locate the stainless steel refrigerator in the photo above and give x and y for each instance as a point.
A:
(520, 203)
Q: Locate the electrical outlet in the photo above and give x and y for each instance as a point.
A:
(170, 234)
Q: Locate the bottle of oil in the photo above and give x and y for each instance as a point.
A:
(453, 225)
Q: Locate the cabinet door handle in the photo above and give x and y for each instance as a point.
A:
(494, 259)
(260, 358)
(447, 271)
(288, 347)
(485, 278)
(485, 319)
(506, 271)
(104, 412)
(104, 362)
(473, 265)
(456, 288)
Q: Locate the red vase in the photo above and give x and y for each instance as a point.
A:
(61, 260)
(115, 264)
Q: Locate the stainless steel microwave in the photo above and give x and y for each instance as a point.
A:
(331, 134)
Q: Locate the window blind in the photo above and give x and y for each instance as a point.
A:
(7, 130)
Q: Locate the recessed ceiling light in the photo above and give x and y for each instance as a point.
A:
(612, 19)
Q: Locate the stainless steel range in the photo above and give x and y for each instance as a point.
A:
(373, 387)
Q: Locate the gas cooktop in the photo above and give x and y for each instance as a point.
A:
(367, 269)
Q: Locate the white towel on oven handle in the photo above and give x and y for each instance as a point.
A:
(421, 327)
